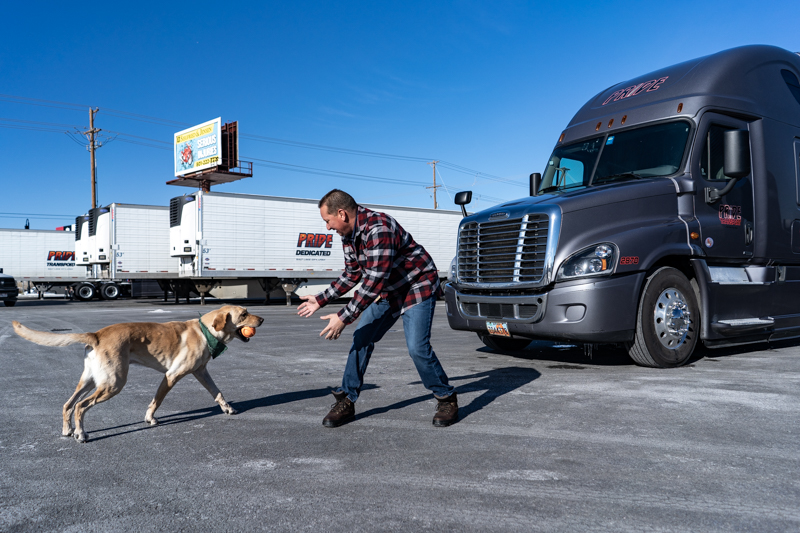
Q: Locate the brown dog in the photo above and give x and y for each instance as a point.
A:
(173, 348)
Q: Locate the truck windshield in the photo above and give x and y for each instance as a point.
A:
(638, 153)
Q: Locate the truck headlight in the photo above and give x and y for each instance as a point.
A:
(454, 270)
(597, 260)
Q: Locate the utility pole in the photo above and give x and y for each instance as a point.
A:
(90, 133)
(433, 164)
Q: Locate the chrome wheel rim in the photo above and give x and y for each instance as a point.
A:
(672, 318)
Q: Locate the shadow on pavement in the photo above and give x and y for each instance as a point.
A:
(495, 383)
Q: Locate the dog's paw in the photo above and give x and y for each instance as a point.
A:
(67, 432)
(151, 420)
(80, 436)
(230, 410)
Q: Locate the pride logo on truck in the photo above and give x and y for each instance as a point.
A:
(60, 258)
(314, 240)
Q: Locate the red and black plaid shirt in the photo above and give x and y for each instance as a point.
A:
(391, 264)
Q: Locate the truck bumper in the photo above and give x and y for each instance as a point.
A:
(9, 294)
(589, 311)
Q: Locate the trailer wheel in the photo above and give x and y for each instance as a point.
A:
(502, 344)
(85, 292)
(109, 291)
(667, 322)
(10, 303)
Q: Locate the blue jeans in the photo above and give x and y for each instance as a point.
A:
(375, 322)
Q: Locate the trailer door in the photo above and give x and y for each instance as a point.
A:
(726, 226)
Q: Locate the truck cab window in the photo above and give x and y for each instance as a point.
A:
(643, 152)
(711, 162)
(569, 166)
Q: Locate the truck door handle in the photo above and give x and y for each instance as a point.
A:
(748, 233)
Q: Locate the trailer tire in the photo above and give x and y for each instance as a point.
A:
(109, 291)
(667, 321)
(85, 292)
(10, 303)
(502, 344)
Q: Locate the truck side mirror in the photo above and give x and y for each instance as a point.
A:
(463, 198)
(536, 181)
(736, 162)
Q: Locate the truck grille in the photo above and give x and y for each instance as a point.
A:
(507, 251)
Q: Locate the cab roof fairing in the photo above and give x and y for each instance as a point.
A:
(736, 79)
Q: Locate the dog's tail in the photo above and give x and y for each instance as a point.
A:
(46, 338)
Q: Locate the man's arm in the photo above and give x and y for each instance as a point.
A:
(379, 249)
(346, 281)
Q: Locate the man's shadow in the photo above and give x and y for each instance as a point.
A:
(494, 383)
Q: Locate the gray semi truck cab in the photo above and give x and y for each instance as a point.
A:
(667, 214)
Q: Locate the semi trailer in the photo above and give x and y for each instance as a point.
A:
(668, 214)
(244, 245)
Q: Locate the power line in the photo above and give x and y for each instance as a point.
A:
(259, 138)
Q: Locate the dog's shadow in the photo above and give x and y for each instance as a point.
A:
(214, 410)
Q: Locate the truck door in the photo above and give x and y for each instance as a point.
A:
(726, 226)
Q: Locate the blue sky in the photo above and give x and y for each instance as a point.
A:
(485, 87)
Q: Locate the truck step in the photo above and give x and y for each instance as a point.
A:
(737, 326)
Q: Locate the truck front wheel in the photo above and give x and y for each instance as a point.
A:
(10, 303)
(85, 292)
(502, 344)
(667, 323)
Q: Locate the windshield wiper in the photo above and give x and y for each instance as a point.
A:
(621, 175)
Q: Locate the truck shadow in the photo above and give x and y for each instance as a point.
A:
(494, 383)
(565, 353)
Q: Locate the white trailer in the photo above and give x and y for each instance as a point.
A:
(242, 245)
(43, 258)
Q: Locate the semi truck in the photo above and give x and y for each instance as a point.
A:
(668, 214)
(244, 245)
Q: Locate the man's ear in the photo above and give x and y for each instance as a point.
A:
(219, 320)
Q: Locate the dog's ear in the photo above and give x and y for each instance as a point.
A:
(219, 320)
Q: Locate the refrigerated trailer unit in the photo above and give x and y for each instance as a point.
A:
(667, 214)
(122, 246)
(230, 240)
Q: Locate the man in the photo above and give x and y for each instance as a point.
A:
(399, 279)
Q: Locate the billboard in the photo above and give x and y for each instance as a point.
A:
(198, 147)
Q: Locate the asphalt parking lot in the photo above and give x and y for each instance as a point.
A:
(549, 439)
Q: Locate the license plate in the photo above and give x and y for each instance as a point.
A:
(498, 328)
(3, 295)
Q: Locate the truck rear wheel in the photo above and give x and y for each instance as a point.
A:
(667, 322)
(503, 344)
(85, 292)
(109, 291)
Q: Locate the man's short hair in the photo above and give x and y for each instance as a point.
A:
(336, 199)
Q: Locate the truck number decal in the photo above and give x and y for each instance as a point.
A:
(629, 260)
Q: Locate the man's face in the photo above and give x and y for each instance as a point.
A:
(339, 221)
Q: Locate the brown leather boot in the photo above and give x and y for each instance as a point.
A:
(341, 412)
(446, 411)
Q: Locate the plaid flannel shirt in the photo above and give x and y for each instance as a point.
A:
(391, 264)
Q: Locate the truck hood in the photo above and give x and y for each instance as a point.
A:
(580, 199)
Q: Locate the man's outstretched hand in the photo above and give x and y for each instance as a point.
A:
(334, 327)
(309, 307)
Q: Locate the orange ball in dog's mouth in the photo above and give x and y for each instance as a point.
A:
(248, 331)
